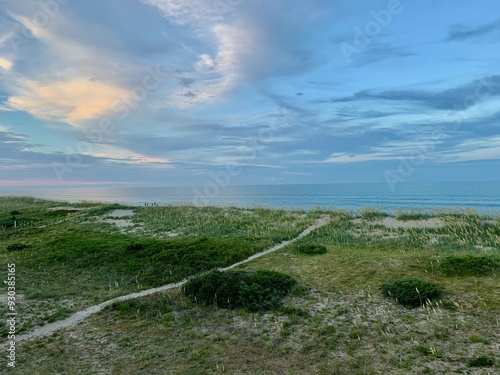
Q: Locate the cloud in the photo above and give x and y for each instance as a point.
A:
(460, 97)
(189, 12)
(81, 69)
(185, 81)
(5, 63)
(462, 33)
(34, 182)
(112, 154)
(378, 52)
(440, 149)
(473, 149)
(243, 46)
(72, 101)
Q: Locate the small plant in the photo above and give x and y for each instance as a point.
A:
(482, 361)
(411, 292)
(470, 265)
(424, 350)
(60, 313)
(370, 213)
(261, 290)
(294, 312)
(17, 246)
(311, 249)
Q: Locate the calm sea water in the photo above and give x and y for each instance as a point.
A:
(481, 196)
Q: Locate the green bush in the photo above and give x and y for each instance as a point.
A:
(17, 246)
(261, 290)
(411, 292)
(482, 361)
(311, 249)
(255, 297)
(470, 265)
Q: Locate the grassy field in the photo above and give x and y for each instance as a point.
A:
(335, 321)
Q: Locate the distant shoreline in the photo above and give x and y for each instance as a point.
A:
(427, 212)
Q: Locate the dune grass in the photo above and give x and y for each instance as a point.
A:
(68, 258)
(335, 321)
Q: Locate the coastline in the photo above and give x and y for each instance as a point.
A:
(484, 198)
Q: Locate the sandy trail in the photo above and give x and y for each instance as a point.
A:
(83, 314)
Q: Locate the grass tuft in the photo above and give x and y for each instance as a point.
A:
(470, 265)
(17, 246)
(481, 361)
(411, 292)
(311, 249)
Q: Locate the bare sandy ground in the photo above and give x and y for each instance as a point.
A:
(115, 217)
(82, 315)
(121, 213)
(65, 208)
(394, 223)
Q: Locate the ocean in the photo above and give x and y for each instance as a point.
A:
(480, 196)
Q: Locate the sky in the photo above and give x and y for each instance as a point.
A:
(190, 92)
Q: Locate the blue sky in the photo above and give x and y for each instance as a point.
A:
(181, 92)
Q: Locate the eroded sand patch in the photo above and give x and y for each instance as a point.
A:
(65, 208)
(121, 213)
(117, 218)
(120, 223)
(394, 223)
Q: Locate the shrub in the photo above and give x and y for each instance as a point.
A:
(482, 361)
(278, 282)
(411, 292)
(255, 297)
(261, 290)
(311, 249)
(17, 246)
(469, 265)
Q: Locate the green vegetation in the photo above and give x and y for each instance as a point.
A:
(17, 246)
(311, 249)
(411, 292)
(470, 265)
(482, 361)
(71, 256)
(369, 213)
(226, 222)
(144, 308)
(261, 290)
(334, 321)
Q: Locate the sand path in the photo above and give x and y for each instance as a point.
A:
(83, 314)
